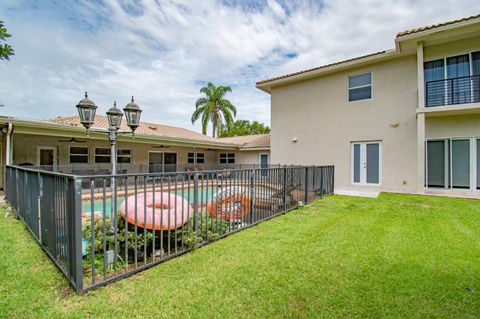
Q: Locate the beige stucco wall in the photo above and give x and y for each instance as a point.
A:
(451, 48)
(249, 157)
(317, 113)
(453, 126)
(25, 150)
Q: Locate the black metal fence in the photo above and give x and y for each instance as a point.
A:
(100, 228)
(453, 91)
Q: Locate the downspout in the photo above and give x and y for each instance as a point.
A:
(8, 144)
(7, 155)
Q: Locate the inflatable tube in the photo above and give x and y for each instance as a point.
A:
(229, 204)
(164, 208)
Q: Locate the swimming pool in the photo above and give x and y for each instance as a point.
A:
(204, 195)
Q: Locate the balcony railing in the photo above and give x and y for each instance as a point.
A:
(453, 91)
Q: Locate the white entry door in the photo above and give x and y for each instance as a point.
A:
(366, 163)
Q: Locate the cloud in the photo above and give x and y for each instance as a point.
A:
(164, 51)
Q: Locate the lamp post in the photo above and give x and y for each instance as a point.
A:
(86, 111)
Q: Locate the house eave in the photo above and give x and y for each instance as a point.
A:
(267, 85)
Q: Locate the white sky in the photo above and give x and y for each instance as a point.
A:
(163, 52)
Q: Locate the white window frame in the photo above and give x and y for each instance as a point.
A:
(359, 87)
(449, 170)
(70, 154)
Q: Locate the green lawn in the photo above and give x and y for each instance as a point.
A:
(396, 256)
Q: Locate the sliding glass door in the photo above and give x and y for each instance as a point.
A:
(437, 163)
(453, 80)
(435, 71)
(478, 163)
(448, 163)
(458, 69)
(461, 163)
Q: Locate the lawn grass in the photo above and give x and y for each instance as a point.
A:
(398, 256)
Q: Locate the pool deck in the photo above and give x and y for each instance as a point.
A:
(99, 192)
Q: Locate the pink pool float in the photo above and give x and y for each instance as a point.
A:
(158, 204)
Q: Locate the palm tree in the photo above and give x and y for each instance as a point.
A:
(214, 107)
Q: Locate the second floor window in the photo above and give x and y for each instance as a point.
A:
(360, 87)
(452, 80)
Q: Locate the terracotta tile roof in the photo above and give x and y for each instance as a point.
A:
(145, 128)
(319, 67)
(437, 25)
(249, 141)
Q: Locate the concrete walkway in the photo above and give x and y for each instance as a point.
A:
(372, 193)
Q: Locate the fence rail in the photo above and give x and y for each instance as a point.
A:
(128, 168)
(100, 228)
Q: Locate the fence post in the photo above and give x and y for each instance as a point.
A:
(322, 168)
(195, 203)
(333, 179)
(252, 185)
(306, 184)
(76, 236)
(40, 201)
(17, 206)
(285, 188)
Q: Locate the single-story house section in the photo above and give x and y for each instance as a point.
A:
(402, 120)
(62, 144)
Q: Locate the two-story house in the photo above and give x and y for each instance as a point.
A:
(406, 119)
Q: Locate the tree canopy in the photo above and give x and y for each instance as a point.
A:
(5, 49)
(243, 127)
(214, 108)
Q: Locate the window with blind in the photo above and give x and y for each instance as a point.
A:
(360, 87)
(78, 154)
(124, 155)
(227, 158)
(102, 155)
